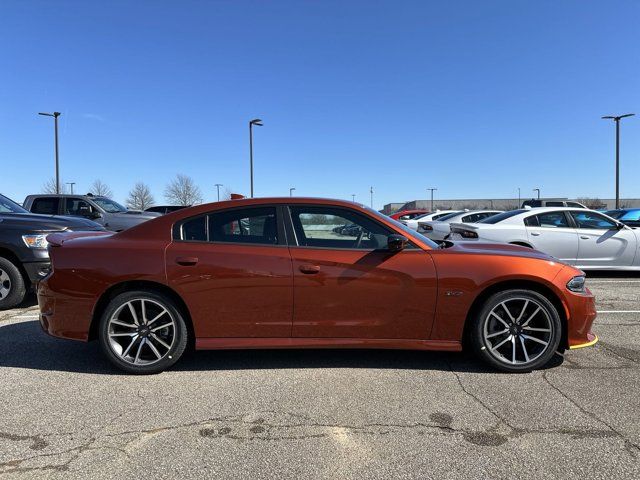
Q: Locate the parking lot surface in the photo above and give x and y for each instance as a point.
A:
(324, 414)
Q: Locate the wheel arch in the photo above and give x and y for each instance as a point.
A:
(127, 286)
(513, 284)
(13, 258)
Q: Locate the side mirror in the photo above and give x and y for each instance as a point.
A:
(95, 215)
(395, 243)
(619, 226)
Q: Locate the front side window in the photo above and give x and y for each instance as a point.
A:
(78, 207)
(46, 205)
(548, 220)
(592, 221)
(332, 227)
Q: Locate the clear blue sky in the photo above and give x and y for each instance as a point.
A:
(473, 97)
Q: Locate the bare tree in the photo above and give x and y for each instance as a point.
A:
(140, 197)
(183, 191)
(50, 186)
(101, 189)
(226, 194)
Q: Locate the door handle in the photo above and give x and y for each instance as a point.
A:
(309, 269)
(584, 237)
(535, 234)
(186, 261)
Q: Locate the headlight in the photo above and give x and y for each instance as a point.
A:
(35, 241)
(576, 284)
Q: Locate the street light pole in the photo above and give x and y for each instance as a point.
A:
(218, 185)
(518, 197)
(432, 190)
(71, 184)
(537, 190)
(257, 122)
(55, 116)
(617, 120)
(353, 197)
(291, 191)
(371, 190)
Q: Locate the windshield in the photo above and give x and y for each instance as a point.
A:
(615, 213)
(9, 206)
(502, 216)
(109, 205)
(408, 232)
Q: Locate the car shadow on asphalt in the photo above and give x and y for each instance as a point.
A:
(25, 345)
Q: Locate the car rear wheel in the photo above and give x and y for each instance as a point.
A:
(142, 332)
(517, 331)
(12, 285)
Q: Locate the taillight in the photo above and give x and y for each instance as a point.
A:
(467, 234)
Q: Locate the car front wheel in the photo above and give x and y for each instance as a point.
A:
(12, 285)
(142, 332)
(517, 331)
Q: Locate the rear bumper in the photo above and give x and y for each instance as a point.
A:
(64, 317)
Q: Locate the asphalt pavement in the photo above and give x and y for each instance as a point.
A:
(66, 413)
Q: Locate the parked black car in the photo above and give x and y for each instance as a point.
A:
(629, 216)
(102, 210)
(164, 209)
(24, 258)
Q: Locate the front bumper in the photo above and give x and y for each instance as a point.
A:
(36, 271)
(582, 313)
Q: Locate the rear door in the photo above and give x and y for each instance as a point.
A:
(553, 233)
(348, 285)
(46, 205)
(233, 269)
(601, 242)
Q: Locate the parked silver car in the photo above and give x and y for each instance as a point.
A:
(108, 213)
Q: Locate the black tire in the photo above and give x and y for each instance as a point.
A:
(116, 352)
(13, 288)
(517, 336)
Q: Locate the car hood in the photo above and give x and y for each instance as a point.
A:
(490, 248)
(36, 222)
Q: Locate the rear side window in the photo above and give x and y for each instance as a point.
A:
(247, 225)
(633, 215)
(493, 219)
(251, 225)
(46, 205)
(547, 220)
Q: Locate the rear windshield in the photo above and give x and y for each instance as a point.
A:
(502, 216)
(449, 215)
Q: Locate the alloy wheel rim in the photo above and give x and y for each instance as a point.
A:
(5, 284)
(517, 331)
(141, 331)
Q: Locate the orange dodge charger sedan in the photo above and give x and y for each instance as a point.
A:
(276, 273)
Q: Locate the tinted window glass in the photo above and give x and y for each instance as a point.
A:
(554, 204)
(247, 225)
(592, 220)
(195, 229)
(78, 207)
(548, 220)
(574, 204)
(447, 216)
(632, 215)
(329, 227)
(502, 216)
(46, 206)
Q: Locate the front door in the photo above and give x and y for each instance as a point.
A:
(233, 269)
(348, 285)
(551, 232)
(601, 242)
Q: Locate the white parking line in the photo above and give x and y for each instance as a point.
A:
(618, 311)
(612, 281)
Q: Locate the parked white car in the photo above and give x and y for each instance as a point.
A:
(413, 223)
(584, 238)
(440, 229)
